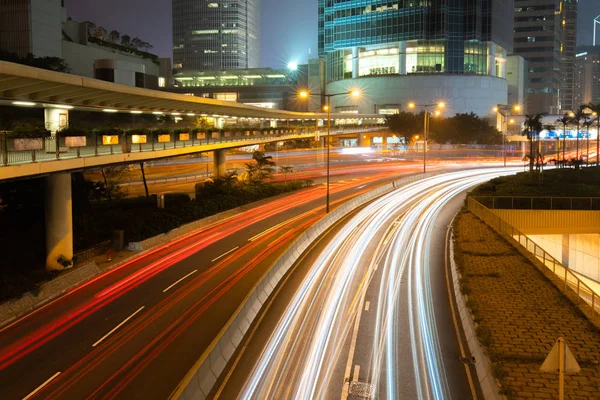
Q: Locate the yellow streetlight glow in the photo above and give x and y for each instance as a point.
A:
(441, 104)
(411, 105)
(303, 94)
(355, 93)
(594, 114)
(417, 137)
(571, 114)
(438, 113)
(495, 109)
(512, 121)
(517, 107)
(325, 108)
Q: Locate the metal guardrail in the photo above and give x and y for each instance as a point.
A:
(538, 203)
(52, 148)
(565, 274)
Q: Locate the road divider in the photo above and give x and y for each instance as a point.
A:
(198, 383)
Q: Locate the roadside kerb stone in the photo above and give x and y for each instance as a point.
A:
(488, 384)
(188, 389)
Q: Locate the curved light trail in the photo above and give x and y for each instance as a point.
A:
(391, 234)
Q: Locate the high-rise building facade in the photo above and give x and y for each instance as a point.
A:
(567, 55)
(545, 35)
(587, 76)
(215, 34)
(414, 50)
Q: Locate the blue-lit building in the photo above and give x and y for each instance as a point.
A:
(398, 51)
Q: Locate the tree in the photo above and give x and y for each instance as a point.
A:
(101, 33)
(564, 121)
(464, 129)
(126, 41)
(136, 43)
(261, 168)
(114, 36)
(202, 123)
(595, 108)
(147, 46)
(285, 169)
(112, 176)
(405, 124)
(230, 178)
(587, 125)
(144, 179)
(533, 126)
(578, 118)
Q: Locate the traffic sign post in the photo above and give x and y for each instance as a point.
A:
(560, 359)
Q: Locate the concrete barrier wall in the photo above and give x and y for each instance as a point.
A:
(13, 309)
(198, 383)
(551, 221)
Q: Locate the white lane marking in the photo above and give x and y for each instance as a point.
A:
(253, 238)
(43, 385)
(117, 327)
(191, 273)
(367, 304)
(360, 187)
(224, 254)
(356, 371)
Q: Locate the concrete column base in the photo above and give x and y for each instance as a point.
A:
(59, 222)
(219, 163)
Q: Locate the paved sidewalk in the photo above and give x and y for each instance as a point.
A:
(520, 314)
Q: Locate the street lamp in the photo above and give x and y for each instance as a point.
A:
(304, 95)
(440, 105)
(500, 108)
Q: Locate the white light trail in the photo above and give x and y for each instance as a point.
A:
(393, 232)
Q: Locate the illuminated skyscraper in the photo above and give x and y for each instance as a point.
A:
(403, 46)
(215, 34)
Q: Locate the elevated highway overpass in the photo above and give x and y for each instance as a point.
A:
(59, 93)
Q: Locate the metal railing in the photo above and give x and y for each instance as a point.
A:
(53, 148)
(538, 203)
(569, 278)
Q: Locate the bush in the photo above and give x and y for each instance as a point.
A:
(173, 200)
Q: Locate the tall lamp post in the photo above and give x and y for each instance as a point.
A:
(440, 105)
(500, 109)
(304, 94)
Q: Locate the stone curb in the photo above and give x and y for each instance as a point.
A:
(199, 381)
(483, 367)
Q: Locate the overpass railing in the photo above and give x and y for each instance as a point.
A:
(570, 279)
(54, 148)
(539, 203)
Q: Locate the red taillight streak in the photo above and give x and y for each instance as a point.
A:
(129, 332)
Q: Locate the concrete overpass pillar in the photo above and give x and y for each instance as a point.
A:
(219, 123)
(384, 144)
(219, 163)
(59, 220)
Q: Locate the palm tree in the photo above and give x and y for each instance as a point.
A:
(230, 178)
(596, 110)
(587, 125)
(533, 125)
(565, 120)
(285, 169)
(578, 117)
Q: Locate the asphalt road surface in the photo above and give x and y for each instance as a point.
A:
(134, 332)
(365, 312)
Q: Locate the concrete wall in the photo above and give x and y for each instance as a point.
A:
(81, 60)
(580, 252)
(462, 94)
(551, 221)
(46, 28)
(516, 76)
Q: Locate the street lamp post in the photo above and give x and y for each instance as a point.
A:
(305, 95)
(439, 105)
(499, 108)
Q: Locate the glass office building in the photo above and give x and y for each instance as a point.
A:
(400, 39)
(215, 34)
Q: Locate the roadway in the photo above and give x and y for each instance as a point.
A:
(365, 312)
(135, 331)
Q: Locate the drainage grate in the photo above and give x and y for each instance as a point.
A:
(361, 389)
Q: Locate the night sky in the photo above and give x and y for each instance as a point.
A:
(289, 27)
